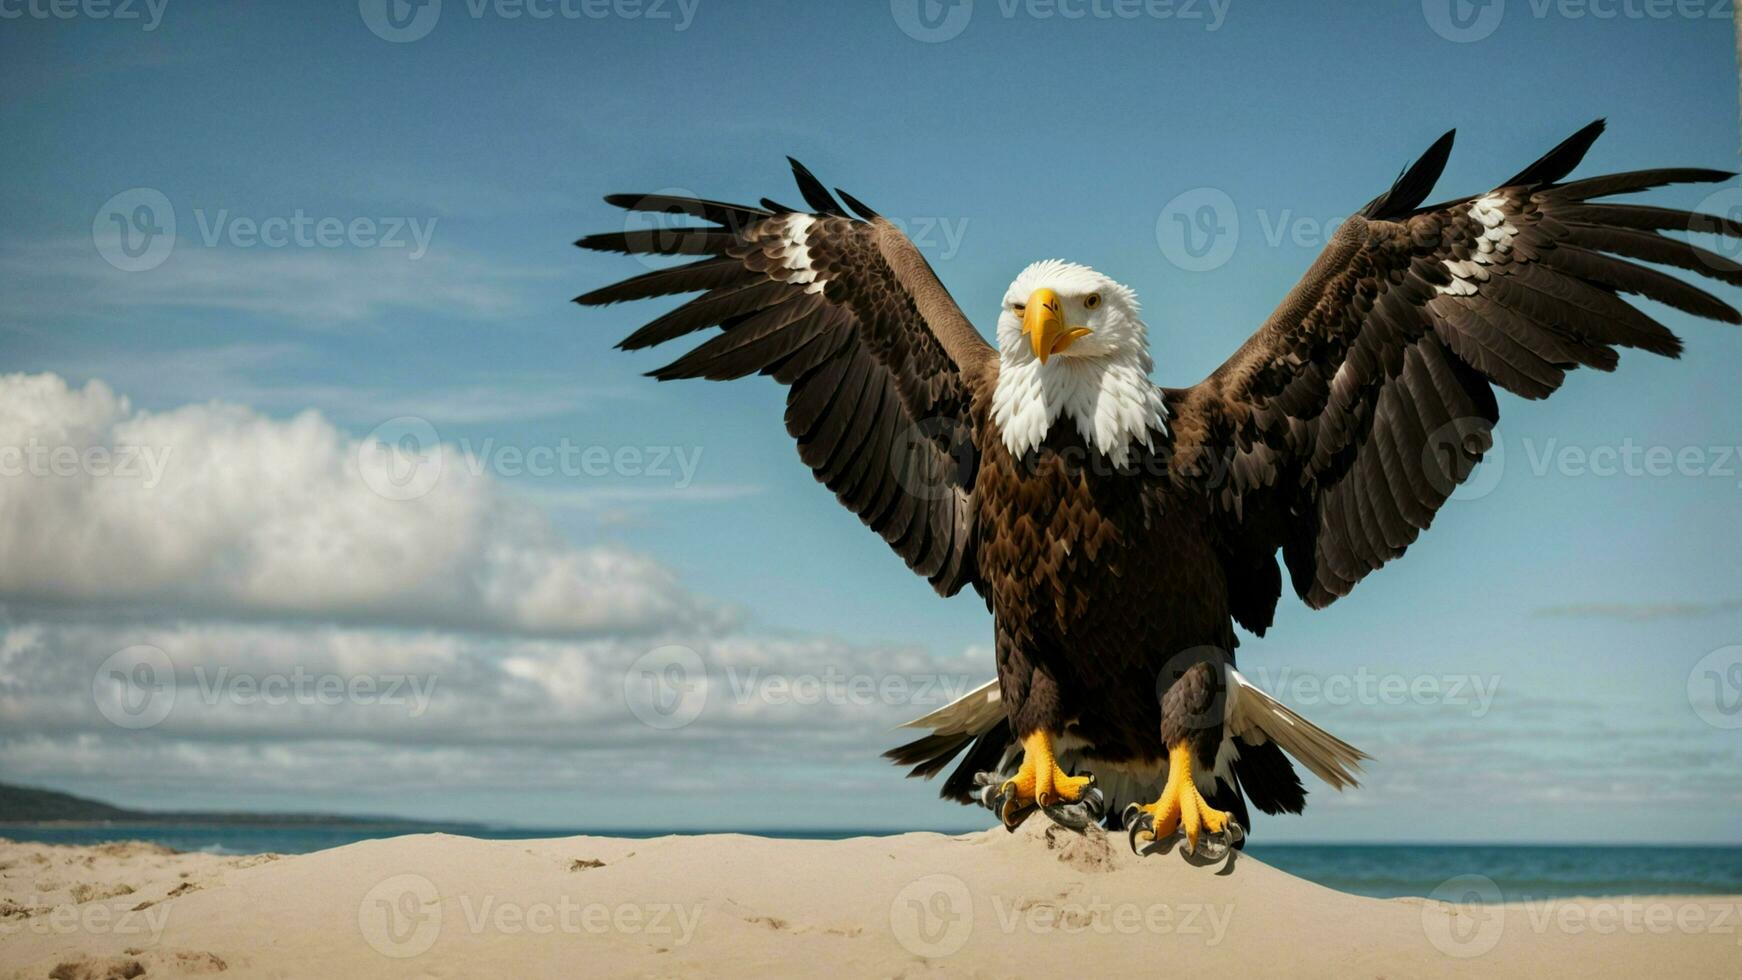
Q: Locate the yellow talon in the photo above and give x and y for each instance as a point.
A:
(1040, 781)
(1180, 803)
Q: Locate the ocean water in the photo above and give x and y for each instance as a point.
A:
(1512, 873)
(1517, 872)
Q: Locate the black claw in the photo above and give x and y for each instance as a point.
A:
(1014, 818)
(1088, 809)
(1134, 823)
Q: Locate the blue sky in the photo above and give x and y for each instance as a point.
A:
(1584, 600)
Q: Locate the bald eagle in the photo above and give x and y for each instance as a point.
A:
(1119, 530)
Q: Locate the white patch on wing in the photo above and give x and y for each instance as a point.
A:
(1493, 243)
(795, 256)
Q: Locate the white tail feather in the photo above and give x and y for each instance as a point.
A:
(1256, 716)
(970, 714)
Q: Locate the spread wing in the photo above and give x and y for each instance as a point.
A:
(880, 364)
(1339, 429)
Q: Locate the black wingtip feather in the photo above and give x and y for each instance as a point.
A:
(1414, 184)
(857, 206)
(1560, 161)
(815, 194)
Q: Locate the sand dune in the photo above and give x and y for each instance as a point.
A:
(1038, 902)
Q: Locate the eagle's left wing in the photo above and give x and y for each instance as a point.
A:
(1339, 429)
(880, 364)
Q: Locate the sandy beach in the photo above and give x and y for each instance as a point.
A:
(1040, 901)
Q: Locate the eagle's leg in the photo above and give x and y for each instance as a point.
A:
(1182, 806)
(1039, 782)
(1191, 728)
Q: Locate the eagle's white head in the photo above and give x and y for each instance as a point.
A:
(1072, 343)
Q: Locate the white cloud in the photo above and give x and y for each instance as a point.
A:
(218, 508)
(248, 705)
(313, 632)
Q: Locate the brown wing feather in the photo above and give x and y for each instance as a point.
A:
(880, 363)
(1342, 426)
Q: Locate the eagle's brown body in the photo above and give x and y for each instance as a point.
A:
(1330, 439)
(1098, 577)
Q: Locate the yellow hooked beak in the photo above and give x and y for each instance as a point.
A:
(1043, 321)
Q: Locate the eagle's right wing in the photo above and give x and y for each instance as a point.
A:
(1340, 428)
(880, 364)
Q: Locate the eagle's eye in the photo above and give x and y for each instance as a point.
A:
(1091, 301)
(1018, 308)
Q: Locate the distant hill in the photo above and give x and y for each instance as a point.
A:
(27, 804)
